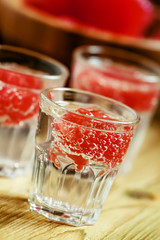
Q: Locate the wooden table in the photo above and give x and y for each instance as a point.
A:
(131, 211)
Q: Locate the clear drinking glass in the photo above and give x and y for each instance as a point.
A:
(124, 76)
(23, 74)
(81, 140)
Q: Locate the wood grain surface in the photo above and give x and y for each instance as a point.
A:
(131, 211)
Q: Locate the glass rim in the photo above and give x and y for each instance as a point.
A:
(19, 50)
(137, 57)
(135, 121)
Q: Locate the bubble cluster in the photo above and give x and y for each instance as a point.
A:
(17, 104)
(82, 144)
(132, 91)
(18, 75)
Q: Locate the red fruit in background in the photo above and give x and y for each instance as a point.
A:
(128, 17)
(57, 7)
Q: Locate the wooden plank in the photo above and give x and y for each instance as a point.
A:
(131, 211)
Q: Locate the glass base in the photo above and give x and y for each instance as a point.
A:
(63, 213)
(67, 196)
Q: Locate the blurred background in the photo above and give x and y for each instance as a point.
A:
(57, 27)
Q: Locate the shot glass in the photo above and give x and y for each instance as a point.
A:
(124, 76)
(81, 141)
(23, 74)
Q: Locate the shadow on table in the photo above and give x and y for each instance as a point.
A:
(15, 210)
